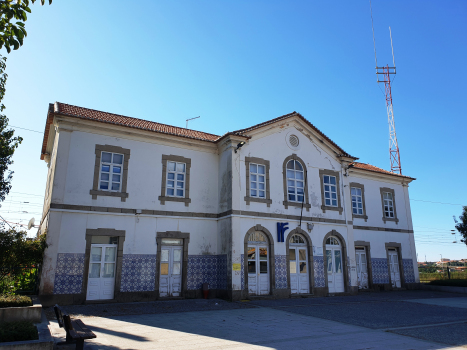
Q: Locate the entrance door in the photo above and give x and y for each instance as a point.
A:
(258, 270)
(101, 278)
(334, 262)
(298, 265)
(170, 282)
(394, 268)
(362, 268)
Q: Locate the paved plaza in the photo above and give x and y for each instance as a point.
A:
(385, 320)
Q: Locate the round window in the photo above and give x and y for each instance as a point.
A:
(294, 141)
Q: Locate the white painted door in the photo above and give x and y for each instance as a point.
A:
(394, 268)
(362, 268)
(170, 281)
(298, 267)
(335, 273)
(258, 270)
(101, 277)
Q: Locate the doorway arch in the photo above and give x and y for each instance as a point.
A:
(309, 258)
(332, 269)
(259, 243)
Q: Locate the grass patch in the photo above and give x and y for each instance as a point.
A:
(451, 283)
(14, 301)
(18, 331)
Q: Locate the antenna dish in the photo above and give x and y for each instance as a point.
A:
(31, 223)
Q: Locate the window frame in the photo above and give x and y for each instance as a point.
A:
(324, 207)
(295, 180)
(362, 188)
(175, 180)
(248, 198)
(96, 191)
(177, 159)
(382, 191)
(111, 173)
(306, 203)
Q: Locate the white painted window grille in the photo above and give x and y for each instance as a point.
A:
(176, 177)
(257, 180)
(297, 239)
(295, 181)
(330, 191)
(388, 203)
(111, 172)
(257, 236)
(357, 202)
(332, 241)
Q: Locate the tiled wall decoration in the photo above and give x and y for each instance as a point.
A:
(242, 256)
(318, 266)
(211, 269)
(380, 270)
(138, 272)
(408, 270)
(281, 271)
(69, 273)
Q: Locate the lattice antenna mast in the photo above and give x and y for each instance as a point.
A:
(383, 75)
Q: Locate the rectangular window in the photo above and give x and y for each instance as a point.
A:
(388, 204)
(257, 180)
(357, 202)
(110, 177)
(176, 176)
(330, 190)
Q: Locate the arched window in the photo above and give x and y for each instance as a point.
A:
(295, 181)
(297, 239)
(257, 236)
(332, 241)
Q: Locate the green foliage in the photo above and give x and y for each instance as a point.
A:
(427, 277)
(451, 282)
(19, 258)
(13, 34)
(18, 331)
(8, 143)
(462, 226)
(14, 301)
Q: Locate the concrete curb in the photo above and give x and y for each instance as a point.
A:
(22, 313)
(45, 341)
(462, 290)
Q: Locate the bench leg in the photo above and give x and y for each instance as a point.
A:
(79, 344)
(69, 339)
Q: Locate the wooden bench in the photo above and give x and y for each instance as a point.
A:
(76, 330)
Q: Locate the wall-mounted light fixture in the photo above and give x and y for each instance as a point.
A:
(239, 145)
(309, 227)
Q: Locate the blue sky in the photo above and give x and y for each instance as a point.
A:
(240, 63)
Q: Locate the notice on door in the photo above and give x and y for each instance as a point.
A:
(236, 267)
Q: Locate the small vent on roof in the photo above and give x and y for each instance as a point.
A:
(294, 140)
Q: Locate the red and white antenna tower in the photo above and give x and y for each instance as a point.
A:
(383, 75)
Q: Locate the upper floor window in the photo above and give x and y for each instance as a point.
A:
(388, 203)
(357, 202)
(330, 191)
(257, 180)
(111, 172)
(295, 181)
(176, 177)
(175, 184)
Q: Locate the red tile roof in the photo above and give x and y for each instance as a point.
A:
(375, 169)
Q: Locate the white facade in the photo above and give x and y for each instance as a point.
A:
(210, 226)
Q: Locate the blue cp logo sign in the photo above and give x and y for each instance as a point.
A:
(281, 228)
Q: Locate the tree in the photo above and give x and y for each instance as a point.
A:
(13, 34)
(8, 143)
(462, 225)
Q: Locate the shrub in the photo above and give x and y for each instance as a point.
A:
(17, 331)
(14, 301)
(452, 283)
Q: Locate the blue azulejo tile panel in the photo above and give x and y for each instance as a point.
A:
(242, 256)
(281, 271)
(138, 272)
(211, 269)
(380, 270)
(69, 273)
(409, 274)
(318, 267)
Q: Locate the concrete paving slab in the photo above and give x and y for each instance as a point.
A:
(451, 302)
